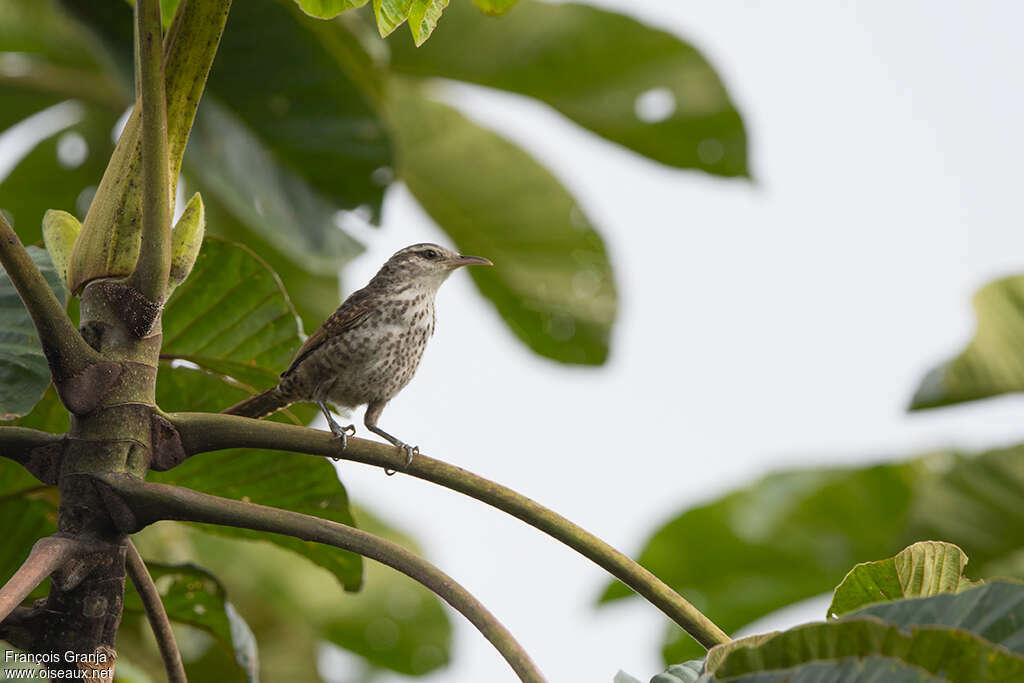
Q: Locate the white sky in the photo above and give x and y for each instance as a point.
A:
(778, 323)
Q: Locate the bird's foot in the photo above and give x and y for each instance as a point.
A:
(341, 433)
(410, 451)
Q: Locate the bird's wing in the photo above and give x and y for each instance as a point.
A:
(355, 309)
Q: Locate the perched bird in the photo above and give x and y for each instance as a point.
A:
(369, 348)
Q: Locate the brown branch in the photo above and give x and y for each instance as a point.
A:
(156, 614)
(151, 270)
(36, 451)
(65, 349)
(201, 432)
(134, 503)
(47, 556)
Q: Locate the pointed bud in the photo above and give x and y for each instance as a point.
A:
(60, 230)
(186, 239)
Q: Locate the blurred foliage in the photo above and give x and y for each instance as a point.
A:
(652, 93)
(992, 364)
(303, 127)
(932, 627)
(789, 536)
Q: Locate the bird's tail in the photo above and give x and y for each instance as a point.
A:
(260, 405)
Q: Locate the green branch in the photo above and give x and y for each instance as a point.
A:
(201, 432)
(66, 351)
(154, 265)
(134, 503)
(156, 614)
(36, 451)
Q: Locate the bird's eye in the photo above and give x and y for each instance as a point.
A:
(430, 254)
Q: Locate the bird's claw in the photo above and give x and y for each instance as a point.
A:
(410, 451)
(342, 433)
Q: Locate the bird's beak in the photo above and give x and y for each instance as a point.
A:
(462, 260)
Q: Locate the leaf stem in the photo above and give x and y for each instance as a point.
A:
(156, 614)
(154, 264)
(65, 349)
(201, 432)
(134, 503)
(47, 555)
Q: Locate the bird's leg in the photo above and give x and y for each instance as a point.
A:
(339, 432)
(373, 411)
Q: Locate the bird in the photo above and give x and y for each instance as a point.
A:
(369, 348)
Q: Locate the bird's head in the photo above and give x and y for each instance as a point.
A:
(426, 265)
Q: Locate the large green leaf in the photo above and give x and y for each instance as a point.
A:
(234, 166)
(994, 611)
(38, 30)
(552, 281)
(923, 569)
(328, 9)
(61, 172)
(231, 315)
(787, 537)
(976, 635)
(24, 372)
(635, 85)
(314, 296)
(283, 480)
(192, 595)
(287, 77)
(873, 669)
(993, 362)
(956, 655)
(975, 502)
(773, 543)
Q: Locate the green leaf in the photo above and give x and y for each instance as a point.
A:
(423, 18)
(495, 7)
(328, 9)
(976, 635)
(390, 14)
(301, 100)
(872, 669)
(956, 655)
(314, 296)
(231, 315)
(42, 181)
(232, 164)
(922, 569)
(39, 30)
(24, 372)
(994, 611)
(974, 502)
(992, 364)
(284, 480)
(190, 595)
(787, 537)
(48, 415)
(635, 85)
(552, 281)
